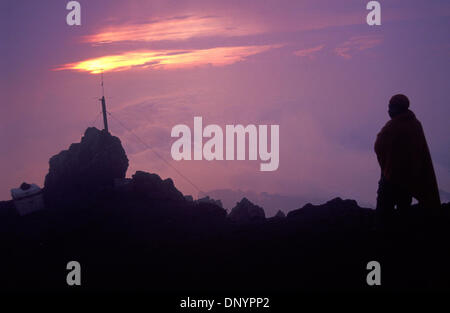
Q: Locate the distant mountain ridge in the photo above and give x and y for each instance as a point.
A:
(271, 202)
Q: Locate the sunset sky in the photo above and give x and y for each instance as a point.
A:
(313, 67)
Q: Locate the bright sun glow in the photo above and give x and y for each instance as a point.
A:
(167, 59)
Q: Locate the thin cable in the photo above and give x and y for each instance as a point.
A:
(95, 120)
(156, 153)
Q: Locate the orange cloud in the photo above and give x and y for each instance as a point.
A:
(167, 59)
(310, 52)
(176, 29)
(357, 43)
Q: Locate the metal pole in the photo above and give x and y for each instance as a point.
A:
(105, 120)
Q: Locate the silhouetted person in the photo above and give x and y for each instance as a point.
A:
(405, 161)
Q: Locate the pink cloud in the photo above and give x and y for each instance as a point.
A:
(310, 52)
(176, 29)
(166, 59)
(357, 43)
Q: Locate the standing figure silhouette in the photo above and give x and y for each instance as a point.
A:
(405, 162)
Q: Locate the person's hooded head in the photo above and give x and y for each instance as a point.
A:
(398, 105)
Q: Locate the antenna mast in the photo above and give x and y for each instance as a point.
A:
(105, 120)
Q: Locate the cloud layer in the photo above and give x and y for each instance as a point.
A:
(176, 28)
(167, 59)
(357, 44)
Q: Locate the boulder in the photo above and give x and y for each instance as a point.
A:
(152, 187)
(76, 174)
(207, 199)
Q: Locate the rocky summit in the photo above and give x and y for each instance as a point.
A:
(78, 173)
(245, 211)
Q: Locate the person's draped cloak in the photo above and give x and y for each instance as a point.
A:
(405, 159)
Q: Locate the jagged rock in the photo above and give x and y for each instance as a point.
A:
(209, 213)
(151, 186)
(332, 213)
(245, 211)
(280, 215)
(78, 173)
(338, 203)
(336, 206)
(277, 217)
(207, 199)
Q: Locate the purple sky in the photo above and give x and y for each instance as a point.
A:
(313, 67)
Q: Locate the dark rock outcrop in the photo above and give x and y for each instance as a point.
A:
(334, 207)
(152, 187)
(245, 211)
(207, 199)
(334, 212)
(208, 213)
(280, 214)
(76, 174)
